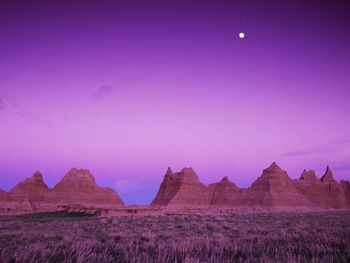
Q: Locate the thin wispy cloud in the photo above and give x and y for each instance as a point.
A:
(103, 91)
(304, 152)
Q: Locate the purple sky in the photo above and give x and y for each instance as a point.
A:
(127, 88)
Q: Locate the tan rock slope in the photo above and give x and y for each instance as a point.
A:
(325, 192)
(226, 193)
(30, 195)
(273, 189)
(182, 189)
(346, 188)
(78, 187)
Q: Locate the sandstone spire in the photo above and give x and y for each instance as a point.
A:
(181, 189)
(169, 172)
(32, 185)
(309, 176)
(328, 177)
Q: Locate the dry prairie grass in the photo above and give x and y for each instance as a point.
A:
(262, 237)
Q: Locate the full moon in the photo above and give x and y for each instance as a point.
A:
(241, 35)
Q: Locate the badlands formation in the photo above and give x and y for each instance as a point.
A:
(78, 187)
(273, 190)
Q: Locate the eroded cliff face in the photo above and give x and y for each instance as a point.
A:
(345, 185)
(167, 190)
(78, 187)
(274, 188)
(29, 196)
(226, 193)
(182, 189)
(325, 192)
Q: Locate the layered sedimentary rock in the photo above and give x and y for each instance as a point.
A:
(30, 195)
(226, 193)
(309, 177)
(78, 187)
(182, 189)
(333, 194)
(275, 188)
(3, 202)
(325, 192)
(345, 185)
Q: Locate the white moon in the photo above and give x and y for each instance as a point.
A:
(241, 35)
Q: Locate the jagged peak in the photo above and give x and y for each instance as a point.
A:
(36, 181)
(38, 176)
(328, 176)
(169, 172)
(273, 168)
(307, 175)
(186, 172)
(224, 179)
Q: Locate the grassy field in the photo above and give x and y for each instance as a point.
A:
(264, 237)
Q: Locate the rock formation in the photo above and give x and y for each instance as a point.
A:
(3, 202)
(78, 187)
(345, 185)
(29, 195)
(226, 193)
(275, 188)
(182, 189)
(309, 176)
(32, 185)
(333, 194)
(325, 192)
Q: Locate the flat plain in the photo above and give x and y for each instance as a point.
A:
(228, 237)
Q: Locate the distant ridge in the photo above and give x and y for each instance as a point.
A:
(77, 187)
(272, 189)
